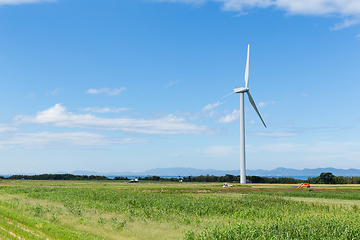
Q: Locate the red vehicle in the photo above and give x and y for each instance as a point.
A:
(304, 185)
(227, 185)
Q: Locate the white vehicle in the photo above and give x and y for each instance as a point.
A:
(134, 180)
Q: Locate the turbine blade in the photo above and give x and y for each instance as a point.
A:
(254, 105)
(229, 94)
(247, 68)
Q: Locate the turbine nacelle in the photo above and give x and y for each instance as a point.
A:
(241, 90)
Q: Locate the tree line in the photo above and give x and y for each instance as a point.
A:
(323, 178)
(329, 178)
(56, 177)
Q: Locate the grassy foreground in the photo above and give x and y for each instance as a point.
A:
(158, 210)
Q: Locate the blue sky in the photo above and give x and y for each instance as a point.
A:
(112, 86)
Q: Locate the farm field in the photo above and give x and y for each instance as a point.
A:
(162, 210)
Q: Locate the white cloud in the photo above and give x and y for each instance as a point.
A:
(330, 153)
(40, 139)
(184, 1)
(59, 116)
(275, 134)
(5, 128)
(18, 2)
(55, 92)
(107, 91)
(263, 104)
(241, 14)
(177, 112)
(104, 110)
(207, 111)
(172, 83)
(348, 9)
(347, 23)
(31, 95)
(231, 117)
(219, 151)
(211, 106)
(279, 147)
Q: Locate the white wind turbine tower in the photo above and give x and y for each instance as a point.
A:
(242, 117)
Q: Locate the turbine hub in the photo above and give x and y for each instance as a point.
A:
(241, 90)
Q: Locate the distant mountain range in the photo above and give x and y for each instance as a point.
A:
(278, 172)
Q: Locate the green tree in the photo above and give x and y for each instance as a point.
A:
(327, 178)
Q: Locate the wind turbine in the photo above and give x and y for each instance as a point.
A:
(242, 117)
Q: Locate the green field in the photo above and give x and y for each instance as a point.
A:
(161, 210)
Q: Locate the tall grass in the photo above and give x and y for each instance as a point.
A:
(295, 228)
(210, 215)
(162, 205)
(337, 193)
(29, 227)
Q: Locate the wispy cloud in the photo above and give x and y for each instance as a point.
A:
(347, 23)
(40, 139)
(263, 104)
(320, 128)
(274, 134)
(177, 112)
(59, 116)
(55, 92)
(18, 2)
(211, 106)
(5, 128)
(31, 95)
(241, 14)
(104, 110)
(172, 83)
(184, 1)
(231, 117)
(207, 111)
(330, 153)
(299, 94)
(107, 91)
(347, 9)
(218, 151)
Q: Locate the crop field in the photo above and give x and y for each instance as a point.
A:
(162, 210)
